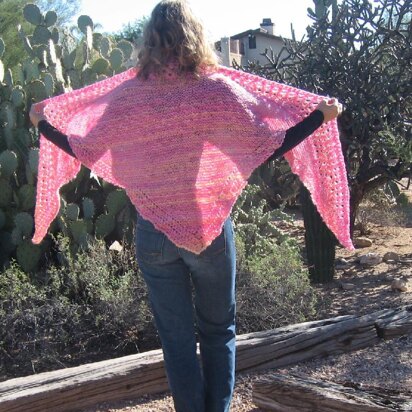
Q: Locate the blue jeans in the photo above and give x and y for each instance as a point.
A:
(171, 273)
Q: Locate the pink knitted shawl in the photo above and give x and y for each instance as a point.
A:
(183, 148)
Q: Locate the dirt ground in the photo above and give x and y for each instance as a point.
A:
(387, 365)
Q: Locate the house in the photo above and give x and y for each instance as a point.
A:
(248, 45)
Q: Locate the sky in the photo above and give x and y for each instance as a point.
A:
(220, 17)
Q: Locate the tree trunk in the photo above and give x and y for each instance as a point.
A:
(320, 242)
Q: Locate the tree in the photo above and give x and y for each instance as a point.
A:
(132, 31)
(10, 17)
(360, 53)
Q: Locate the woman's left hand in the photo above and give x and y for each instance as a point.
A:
(330, 108)
(35, 116)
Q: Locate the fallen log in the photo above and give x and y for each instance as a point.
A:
(397, 324)
(136, 375)
(293, 344)
(74, 389)
(291, 393)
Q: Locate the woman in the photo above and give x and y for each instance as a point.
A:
(176, 55)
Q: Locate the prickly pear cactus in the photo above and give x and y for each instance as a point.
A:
(55, 62)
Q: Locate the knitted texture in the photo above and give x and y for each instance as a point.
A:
(183, 148)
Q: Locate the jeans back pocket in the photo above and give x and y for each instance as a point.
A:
(149, 244)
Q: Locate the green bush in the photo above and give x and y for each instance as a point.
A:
(92, 304)
(273, 288)
(92, 307)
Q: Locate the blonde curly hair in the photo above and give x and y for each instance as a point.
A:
(173, 33)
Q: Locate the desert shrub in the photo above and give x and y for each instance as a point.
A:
(273, 287)
(92, 307)
(384, 206)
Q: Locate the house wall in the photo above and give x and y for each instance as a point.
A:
(262, 43)
(230, 50)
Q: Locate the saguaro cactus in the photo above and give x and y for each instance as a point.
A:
(319, 240)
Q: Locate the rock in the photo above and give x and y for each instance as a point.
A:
(370, 259)
(347, 286)
(116, 246)
(399, 285)
(362, 242)
(391, 257)
(341, 263)
(349, 272)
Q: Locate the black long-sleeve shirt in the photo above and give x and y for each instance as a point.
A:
(293, 137)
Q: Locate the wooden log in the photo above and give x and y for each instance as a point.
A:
(292, 344)
(82, 386)
(291, 393)
(136, 375)
(397, 324)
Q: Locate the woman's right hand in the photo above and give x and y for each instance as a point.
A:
(330, 108)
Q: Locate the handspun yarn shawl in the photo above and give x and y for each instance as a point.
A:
(183, 148)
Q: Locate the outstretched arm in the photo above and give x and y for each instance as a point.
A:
(325, 111)
(52, 134)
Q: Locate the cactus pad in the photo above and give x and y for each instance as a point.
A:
(88, 208)
(97, 39)
(27, 197)
(72, 211)
(8, 162)
(55, 35)
(2, 219)
(89, 76)
(8, 115)
(83, 22)
(17, 236)
(116, 201)
(34, 159)
(31, 70)
(32, 14)
(17, 96)
(37, 90)
(116, 58)
(50, 18)
(78, 229)
(6, 243)
(126, 47)
(100, 66)
(6, 193)
(2, 48)
(49, 84)
(105, 224)
(41, 35)
(25, 223)
(24, 137)
(8, 78)
(105, 47)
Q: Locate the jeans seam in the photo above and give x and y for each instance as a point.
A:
(224, 234)
(162, 246)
